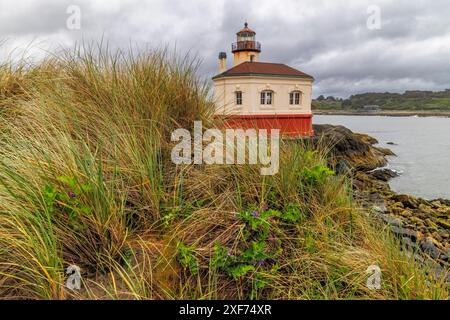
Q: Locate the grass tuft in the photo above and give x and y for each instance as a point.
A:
(86, 179)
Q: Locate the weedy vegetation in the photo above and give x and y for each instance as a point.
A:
(86, 179)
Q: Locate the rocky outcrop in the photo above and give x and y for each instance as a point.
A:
(354, 149)
(384, 174)
(424, 226)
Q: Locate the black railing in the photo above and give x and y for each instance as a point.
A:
(246, 45)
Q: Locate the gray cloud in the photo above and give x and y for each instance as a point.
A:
(326, 38)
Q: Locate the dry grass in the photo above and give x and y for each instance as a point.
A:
(86, 179)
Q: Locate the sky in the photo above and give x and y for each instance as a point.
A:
(350, 46)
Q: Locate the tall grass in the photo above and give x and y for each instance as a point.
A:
(86, 179)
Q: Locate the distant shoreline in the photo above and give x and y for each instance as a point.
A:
(386, 113)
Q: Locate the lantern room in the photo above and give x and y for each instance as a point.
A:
(246, 48)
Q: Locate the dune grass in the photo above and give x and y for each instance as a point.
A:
(86, 179)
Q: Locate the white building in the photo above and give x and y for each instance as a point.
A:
(261, 94)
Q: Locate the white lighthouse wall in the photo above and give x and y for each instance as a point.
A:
(245, 56)
(251, 87)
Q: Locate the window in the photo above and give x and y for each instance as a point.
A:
(295, 97)
(267, 97)
(239, 98)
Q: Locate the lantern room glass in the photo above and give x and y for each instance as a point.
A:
(246, 36)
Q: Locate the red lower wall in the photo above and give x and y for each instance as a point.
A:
(295, 125)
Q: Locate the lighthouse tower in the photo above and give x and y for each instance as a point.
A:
(246, 48)
(262, 94)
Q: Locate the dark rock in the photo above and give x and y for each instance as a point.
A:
(430, 248)
(366, 138)
(358, 184)
(408, 201)
(376, 197)
(378, 202)
(445, 202)
(409, 244)
(445, 256)
(342, 167)
(386, 151)
(356, 149)
(384, 174)
(377, 212)
(405, 233)
(392, 143)
(392, 221)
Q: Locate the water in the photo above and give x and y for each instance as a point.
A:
(422, 149)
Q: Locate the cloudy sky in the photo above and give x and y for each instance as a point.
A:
(329, 39)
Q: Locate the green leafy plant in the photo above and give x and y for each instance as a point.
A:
(258, 223)
(66, 198)
(292, 214)
(317, 174)
(170, 212)
(254, 262)
(187, 259)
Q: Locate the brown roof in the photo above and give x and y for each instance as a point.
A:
(263, 69)
(246, 29)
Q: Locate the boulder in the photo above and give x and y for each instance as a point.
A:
(409, 243)
(408, 201)
(384, 174)
(430, 248)
(378, 201)
(356, 149)
(342, 167)
(386, 151)
(445, 202)
(405, 233)
(445, 256)
(392, 221)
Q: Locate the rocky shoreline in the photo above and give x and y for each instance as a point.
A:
(422, 225)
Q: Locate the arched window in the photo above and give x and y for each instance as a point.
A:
(295, 98)
(239, 98)
(267, 97)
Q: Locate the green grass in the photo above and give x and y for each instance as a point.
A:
(86, 179)
(326, 105)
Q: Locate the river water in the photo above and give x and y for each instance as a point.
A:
(422, 146)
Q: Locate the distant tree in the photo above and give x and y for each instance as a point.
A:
(331, 98)
(346, 103)
(320, 98)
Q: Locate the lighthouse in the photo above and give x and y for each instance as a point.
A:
(246, 48)
(264, 95)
